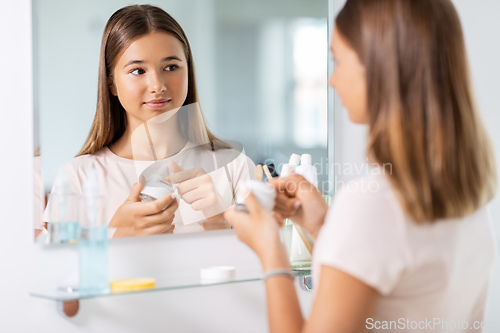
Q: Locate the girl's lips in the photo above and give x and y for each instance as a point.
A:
(157, 103)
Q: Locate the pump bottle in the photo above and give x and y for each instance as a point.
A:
(93, 241)
(307, 170)
(291, 165)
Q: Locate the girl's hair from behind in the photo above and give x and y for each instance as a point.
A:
(424, 126)
(123, 28)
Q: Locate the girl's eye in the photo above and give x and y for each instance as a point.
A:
(171, 68)
(137, 71)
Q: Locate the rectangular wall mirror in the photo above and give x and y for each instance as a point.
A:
(261, 79)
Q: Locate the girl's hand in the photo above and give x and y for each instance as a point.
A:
(301, 202)
(135, 218)
(260, 231)
(197, 189)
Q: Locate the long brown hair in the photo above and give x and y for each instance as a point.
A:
(123, 27)
(422, 114)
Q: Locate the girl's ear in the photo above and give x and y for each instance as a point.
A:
(111, 86)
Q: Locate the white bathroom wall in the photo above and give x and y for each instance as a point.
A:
(233, 308)
(481, 24)
(480, 20)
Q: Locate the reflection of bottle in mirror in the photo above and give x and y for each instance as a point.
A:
(155, 187)
(63, 217)
(93, 241)
(307, 170)
(291, 165)
(155, 181)
(299, 245)
(300, 248)
(266, 195)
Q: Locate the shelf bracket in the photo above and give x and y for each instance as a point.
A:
(68, 308)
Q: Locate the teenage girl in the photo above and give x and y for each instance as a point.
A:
(414, 252)
(146, 69)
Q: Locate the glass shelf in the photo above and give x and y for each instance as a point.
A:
(189, 279)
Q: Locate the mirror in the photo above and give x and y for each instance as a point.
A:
(261, 76)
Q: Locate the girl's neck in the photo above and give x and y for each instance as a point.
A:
(150, 142)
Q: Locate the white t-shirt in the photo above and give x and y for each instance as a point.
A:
(436, 272)
(117, 175)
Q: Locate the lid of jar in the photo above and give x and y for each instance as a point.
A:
(156, 191)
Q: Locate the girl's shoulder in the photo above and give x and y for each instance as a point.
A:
(372, 190)
(103, 158)
(84, 159)
(368, 203)
(365, 234)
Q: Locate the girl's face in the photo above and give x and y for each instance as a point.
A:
(349, 79)
(150, 77)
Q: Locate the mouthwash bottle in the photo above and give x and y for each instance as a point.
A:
(93, 241)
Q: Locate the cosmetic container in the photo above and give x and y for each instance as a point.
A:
(291, 165)
(63, 214)
(307, 170)
(132, 284)
(93, 240)
(155, 181)
(155, 187)
(266, 195)
(297, 242)
(217, 274)
(300, 247)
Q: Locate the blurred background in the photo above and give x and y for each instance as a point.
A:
(261, 71)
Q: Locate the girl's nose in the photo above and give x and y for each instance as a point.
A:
(157, 86)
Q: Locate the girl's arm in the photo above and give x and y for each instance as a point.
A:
(342, 304)
(282, 303)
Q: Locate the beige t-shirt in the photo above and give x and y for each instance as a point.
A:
(431, 278)
(117, 175)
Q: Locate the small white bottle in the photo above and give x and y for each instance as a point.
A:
(266, 195)
(307, 170)
(291, 165)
